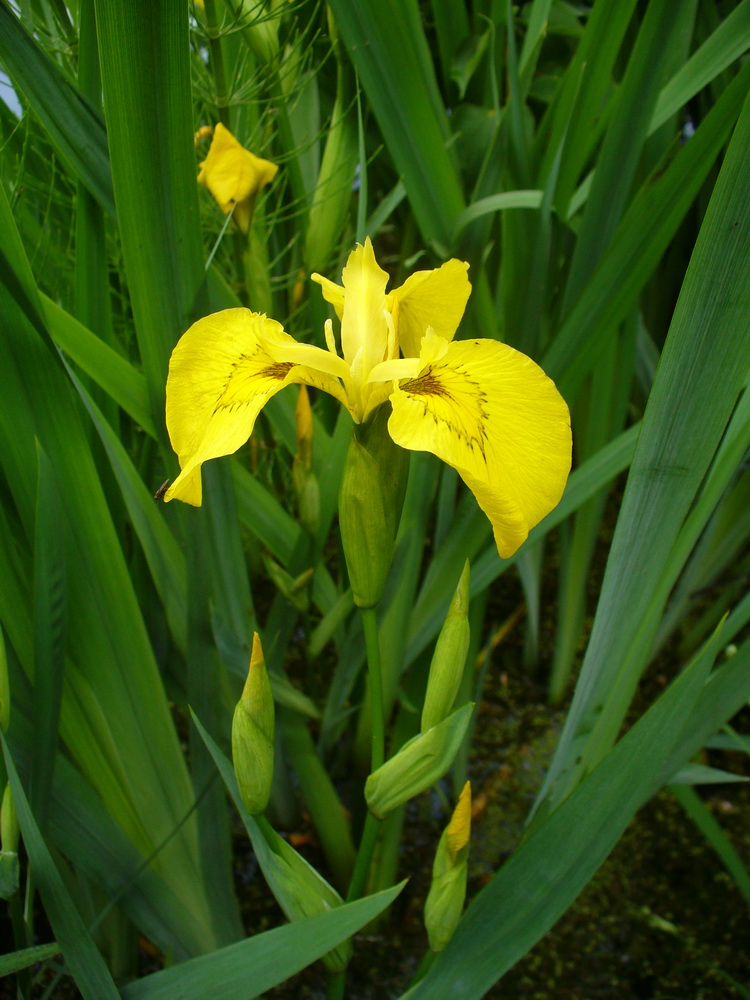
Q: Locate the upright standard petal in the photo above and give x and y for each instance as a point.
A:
(364, 331)
(223, 370)
(431, 298)
(491, 413)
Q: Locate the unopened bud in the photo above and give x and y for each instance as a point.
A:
(304, 427)
(253, 734)
(370, 500)
(447, 667)
(418, 764)
(445, 900)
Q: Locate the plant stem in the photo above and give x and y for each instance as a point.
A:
(335, 983)
(364, 857)
(217, 63)
(377, 756)
(377, 721)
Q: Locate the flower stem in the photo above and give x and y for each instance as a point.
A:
(335, 985)
(217, 62)
(364, 857)
(377, 721)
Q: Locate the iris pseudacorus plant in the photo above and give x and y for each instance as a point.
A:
(482, 407)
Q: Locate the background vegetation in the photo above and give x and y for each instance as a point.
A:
(590, 162)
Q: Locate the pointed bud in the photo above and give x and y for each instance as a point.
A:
(445, 900)
(370, 500)
(304, 427)
(418, 764)
(253, 734)
(447, 667)
(304, 481)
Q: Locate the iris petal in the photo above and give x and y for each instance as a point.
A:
(431, 298)
(221, 374)
(494, 416)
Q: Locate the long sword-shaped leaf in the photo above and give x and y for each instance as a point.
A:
(245, 970)
(387, 45)
(107, 637)
(703, 367)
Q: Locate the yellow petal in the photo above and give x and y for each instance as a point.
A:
(221, 374)
(431, 298)
(459, 829)
(492, 414)
(233, 174)
(332, 293)
(364, 330)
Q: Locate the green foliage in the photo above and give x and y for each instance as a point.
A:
(590, 164)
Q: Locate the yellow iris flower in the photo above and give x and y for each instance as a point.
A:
(234, 175)
(482, 407)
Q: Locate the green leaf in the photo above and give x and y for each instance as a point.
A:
(387, 46)
(247, 969)
(50, 627)
(551, 867)
(74, 126)
(702, 369)
(17, 960)
(84, 961)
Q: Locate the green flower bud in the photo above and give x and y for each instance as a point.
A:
(418, 764)
(370, 500)
(447, 667)
(252, 735)
(445, 900)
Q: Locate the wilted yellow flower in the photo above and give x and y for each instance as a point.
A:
(484, 408)
(234, 176)
(203, 133)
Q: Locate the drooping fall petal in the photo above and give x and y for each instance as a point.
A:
(434, 299)
(491, 413)
(223, 370)
(234, 175)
